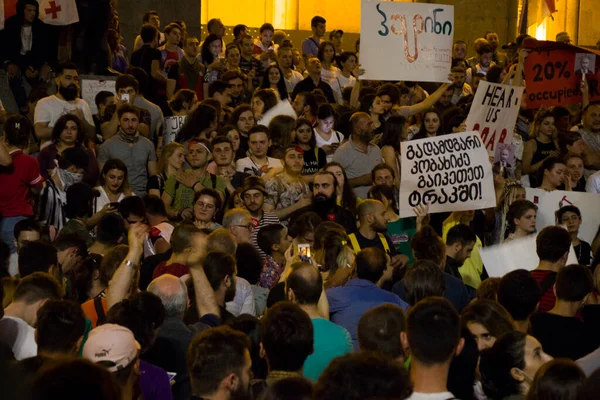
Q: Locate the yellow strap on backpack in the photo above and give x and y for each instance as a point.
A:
(356, 246)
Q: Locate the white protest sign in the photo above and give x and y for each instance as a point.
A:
(450, 173)
(549, 202)
(494, 113)
(516, 254)
(406, 41)
(91, 85)
(171, 127)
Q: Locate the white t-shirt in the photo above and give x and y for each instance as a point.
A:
(336, 137)
(18, 335)
(103, 199)
(243, 302)
(431, 396)
(293, 81)
(593, 183)
(248, 166)
(345, 82)
(330, 76)
(51, 108)
(26, 39)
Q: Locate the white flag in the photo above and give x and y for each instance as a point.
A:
(58, 12)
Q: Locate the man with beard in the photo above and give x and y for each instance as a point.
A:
(459, 85)
(48, 110)
(459, 52)
(180, 189)
(287, 191)
(484, 54)
(253, 195)
(499, 58)
(325, 202)
(285, 60)
(358, 156)
(221, 272)
(220, 365)
(188, 72)
(460, 241)
(371, 233)
(314, 81)
(237, 90)
(348, 303)
(53, 198)
(133, 149)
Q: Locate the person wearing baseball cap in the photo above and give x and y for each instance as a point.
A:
(335, 36)
(115, 348)
(253, 195)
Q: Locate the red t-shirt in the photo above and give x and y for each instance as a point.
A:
(176, 269)
(548, 298)
(16, 180)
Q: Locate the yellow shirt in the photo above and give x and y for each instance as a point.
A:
(473, 266)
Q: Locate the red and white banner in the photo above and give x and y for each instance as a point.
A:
(58, 12)
(52, 12)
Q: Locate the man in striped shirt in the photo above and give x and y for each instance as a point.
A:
(552, 247)
(253, 195)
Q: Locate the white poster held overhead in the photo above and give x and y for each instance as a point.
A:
(406, 41)
(549, 202)
(450, 173)
(516, 254)
(171, 127)
(91, 85)
(494, 113)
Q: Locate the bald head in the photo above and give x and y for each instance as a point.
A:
(368, 207)
(221, 240)
(304, 284)
(172, 293)
(236, 216)
(359, 122)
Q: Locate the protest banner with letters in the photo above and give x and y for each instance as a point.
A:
(91, 85)
(549, 202)
(449, 173)
(494, 113)
(171, 127)
(551, 77)
(406, 41)
(517, 254)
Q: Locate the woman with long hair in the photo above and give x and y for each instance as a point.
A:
(183, 102)
(273, 79)
(114, 185)
(233, 56)
(487, 321)
(372, 105)
(281, 133)
(553, 175)
(209, 53)
(171, 161)
(67, 132)
(335, 258)
(262, 101)
(431, 125)
(327, 138)
(511, 192)
(243, 119)
(520, 220)
(345, 195)
(329, 72)
(201, 122)
(394, 133)
(314, 157)
(542, 145)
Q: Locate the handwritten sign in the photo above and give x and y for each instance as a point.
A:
(406, 41)
(91, 85)
(450, 173)
(549, 202)
(171, 127)
(550, 76)
(494, 113)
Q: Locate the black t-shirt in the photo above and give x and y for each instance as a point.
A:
(143, 58)
(314, 161)
(364, 243)
(583, 251)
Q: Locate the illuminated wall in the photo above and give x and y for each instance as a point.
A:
(577, 17)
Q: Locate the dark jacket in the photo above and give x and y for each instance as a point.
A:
(40, 46)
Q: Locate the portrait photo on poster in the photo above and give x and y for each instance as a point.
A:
(585, 63)
(505, 160)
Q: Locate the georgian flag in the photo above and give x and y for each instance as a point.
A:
(52, 12)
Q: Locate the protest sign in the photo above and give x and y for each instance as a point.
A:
(549, 202)
(516, 254)
(494, 113)
(171, 127)
(91, 85)
(406, 41)
(450, 173)
(551, 77)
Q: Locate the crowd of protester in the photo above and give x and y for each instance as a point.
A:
(258, 252)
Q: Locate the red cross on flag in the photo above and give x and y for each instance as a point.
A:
(8, 8)
(58, 12)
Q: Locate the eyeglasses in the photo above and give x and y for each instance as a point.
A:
(250, 226)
